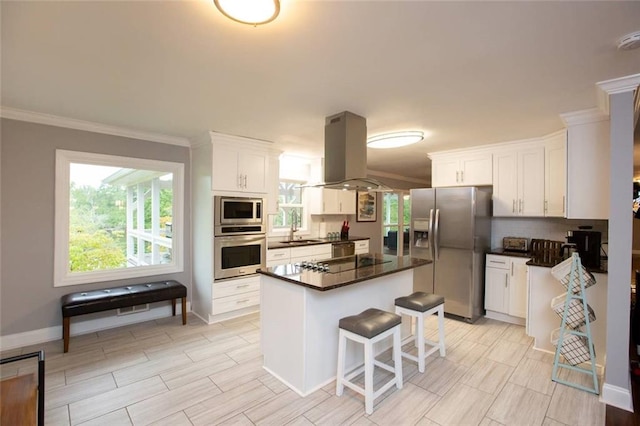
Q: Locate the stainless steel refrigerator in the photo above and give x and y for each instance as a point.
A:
(452, 227)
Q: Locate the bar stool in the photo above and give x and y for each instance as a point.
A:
(419, 305)
(369, 327)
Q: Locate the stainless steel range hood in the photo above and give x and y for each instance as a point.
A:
(345, 154)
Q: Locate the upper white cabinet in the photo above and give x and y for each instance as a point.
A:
(239, 169)
(331, 201)
(555, 174)
(518, 180)
(587, 165)
(461, 169)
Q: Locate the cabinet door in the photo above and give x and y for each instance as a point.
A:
(253, 171)
(505, 183)
(224, 173)
(323, 201)
(346, 202)
(476, 170)
(445, 172)
(273, 185)
(555, 177)
(531, 182)
(496, 289)
(518, 288)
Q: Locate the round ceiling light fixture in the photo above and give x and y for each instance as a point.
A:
(252, 12)
(395, 139)
(630, 41)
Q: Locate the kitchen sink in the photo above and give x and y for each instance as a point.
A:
(301, 242)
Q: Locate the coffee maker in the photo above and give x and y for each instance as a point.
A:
(587, 244)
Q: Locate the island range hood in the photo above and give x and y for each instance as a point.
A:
(345, 154)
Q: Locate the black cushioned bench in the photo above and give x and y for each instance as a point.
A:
(88, 302)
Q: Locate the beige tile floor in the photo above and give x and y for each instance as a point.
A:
(163, 373)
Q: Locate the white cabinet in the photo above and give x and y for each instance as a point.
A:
(273, 185)
(588, 169)
(331, 201)
(234, 294)
(239, 169)
(312, 253)
(506, 288)
(277, 257)
(284, 256)
(362, 246)
(518, 181)
(461, 169)
(555, 174)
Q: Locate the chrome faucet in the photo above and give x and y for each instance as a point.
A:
(294, 225)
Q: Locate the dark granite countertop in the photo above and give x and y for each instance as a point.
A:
(503, 252)
(545, 263)
(313, 242)
(324, 281)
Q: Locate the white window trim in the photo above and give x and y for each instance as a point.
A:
(61, 275)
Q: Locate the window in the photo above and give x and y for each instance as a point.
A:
(396, 214)
(116, 217)
(290, 206)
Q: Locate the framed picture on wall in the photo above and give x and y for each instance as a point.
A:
(366, 206)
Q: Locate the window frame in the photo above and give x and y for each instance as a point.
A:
(302, 225)
(61, 274)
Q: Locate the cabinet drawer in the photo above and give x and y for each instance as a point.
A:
(234, 287)
(497, 261)
(322, 251)
(278, 254)
(238, 301)
(364, 244)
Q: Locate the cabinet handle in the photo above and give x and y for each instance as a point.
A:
(245, 181)
(461, 176)
(506, 281)
(239, 183)
(242, 286)
(520, 202)
(242, 301)
(546, 206)
(457, 176)
(512, 269)
(513, 206)
(498, 262)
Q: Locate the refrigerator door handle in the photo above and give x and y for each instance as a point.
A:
(436, 237)
(430, 235)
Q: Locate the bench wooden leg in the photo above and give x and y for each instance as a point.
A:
(184, 311)
(173, 307)
(65, 333)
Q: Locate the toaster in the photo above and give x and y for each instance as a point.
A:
(515, 244)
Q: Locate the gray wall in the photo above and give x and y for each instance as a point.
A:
(28, 300)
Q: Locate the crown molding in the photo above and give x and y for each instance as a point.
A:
(617, 85)
(72, 123)
(584, 116)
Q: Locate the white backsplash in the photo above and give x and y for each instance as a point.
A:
(542, 228)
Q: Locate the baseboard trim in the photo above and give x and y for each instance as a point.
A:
(617, 397)
(78, 327)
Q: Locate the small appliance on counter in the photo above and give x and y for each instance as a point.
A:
(587, 244)
(515, 244)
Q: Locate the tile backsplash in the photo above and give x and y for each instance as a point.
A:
(543, 228)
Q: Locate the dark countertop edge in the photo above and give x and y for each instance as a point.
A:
(282, 244)
(502, 252)
(551, 265)
(421, 262)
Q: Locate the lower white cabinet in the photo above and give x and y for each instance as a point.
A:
(362, 246)
(284, 256)
(506, 288)
(234, 294)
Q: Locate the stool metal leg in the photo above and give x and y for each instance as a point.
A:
(342, 341)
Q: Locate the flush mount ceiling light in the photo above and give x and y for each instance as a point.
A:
(630, 41)
(252, 12)
(395, 140)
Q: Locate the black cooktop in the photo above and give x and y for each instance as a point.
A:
(353, 262)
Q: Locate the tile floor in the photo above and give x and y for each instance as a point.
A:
(163, 373)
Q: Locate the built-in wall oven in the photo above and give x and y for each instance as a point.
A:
(239, 241)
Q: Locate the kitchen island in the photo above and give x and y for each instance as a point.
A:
(300, 309)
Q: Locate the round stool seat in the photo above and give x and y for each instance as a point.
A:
(419, 301)
(370, 323)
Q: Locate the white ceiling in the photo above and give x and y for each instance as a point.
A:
(470, 73)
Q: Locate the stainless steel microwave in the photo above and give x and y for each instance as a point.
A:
(238, 255)
(238, 215)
